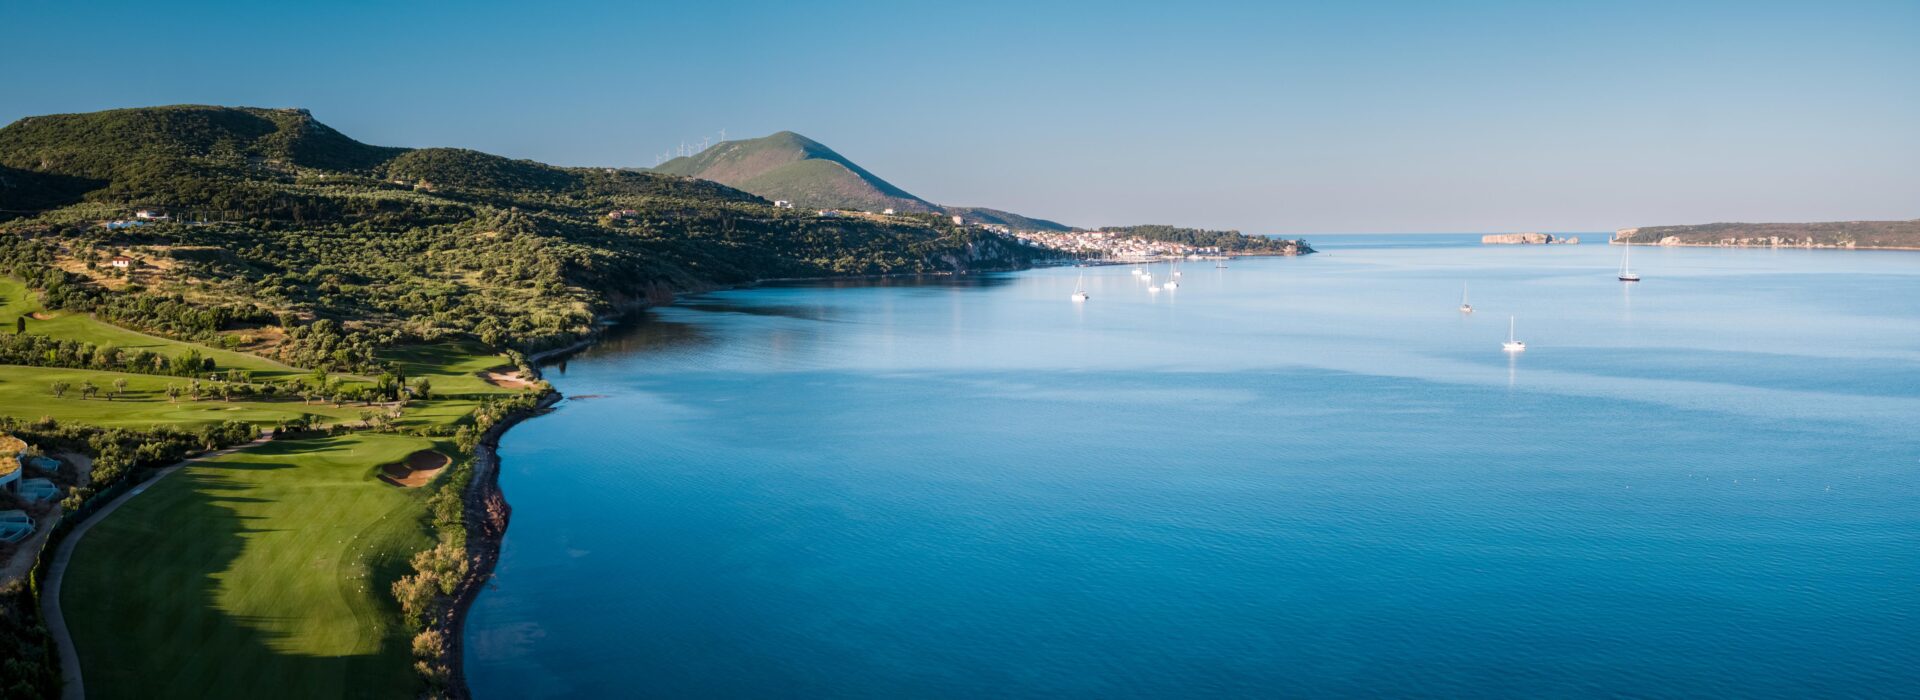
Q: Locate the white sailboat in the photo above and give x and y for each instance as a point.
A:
(1465, 307)
(1626, 268)
(1173, 280)
(1080, 289)
(1512, 345)
(1148, 275)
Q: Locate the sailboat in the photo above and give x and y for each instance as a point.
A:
(1148, 275)
(1626, 268)
(1512, 345)
(1465, 307)
(1176, 268)
(1221, 264)
(1173, 281)
(1080, 289)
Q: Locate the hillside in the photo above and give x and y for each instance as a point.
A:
(1835, 234)
(791, 167)
(295, 241)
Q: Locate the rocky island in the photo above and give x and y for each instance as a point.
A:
(1526, 239)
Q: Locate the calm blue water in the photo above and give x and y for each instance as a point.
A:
(1293, 477)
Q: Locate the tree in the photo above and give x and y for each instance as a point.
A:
(119, 386)
(422, 388)
(20, 325)
(60, 389)
(173, 393)
(88, 390)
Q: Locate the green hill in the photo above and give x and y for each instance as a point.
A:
(791, 167)
(122, 143)
(459, 167)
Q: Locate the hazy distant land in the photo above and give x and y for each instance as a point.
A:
(1897, 235)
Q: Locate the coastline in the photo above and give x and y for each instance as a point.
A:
(485, 507)
(1767, 246)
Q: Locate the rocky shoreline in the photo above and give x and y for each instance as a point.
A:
(486, 516)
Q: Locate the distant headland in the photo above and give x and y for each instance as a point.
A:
(1846, 235)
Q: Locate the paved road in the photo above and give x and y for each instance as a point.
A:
(71, 688)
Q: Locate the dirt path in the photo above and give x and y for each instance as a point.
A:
(70, 686)
(24, 550)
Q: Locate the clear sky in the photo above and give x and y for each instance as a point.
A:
(1269, 117)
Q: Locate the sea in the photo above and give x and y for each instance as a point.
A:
(1307, 476)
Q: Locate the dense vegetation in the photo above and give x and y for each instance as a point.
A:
(1231, 241)
(319, 250)
(1835, 234)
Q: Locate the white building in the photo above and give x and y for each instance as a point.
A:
(782, 204)
(150, 215)
(957, 221)
(888, 211)
(121, 262)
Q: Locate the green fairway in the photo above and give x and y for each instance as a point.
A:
(15, 301)
(453, 368)
(264, 573)
(25, 394)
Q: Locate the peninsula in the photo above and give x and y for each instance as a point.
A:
(1845, 235)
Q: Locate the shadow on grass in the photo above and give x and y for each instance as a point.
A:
(170, 616)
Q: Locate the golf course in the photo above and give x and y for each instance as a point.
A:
(273, 563)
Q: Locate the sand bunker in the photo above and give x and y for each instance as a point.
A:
(506, 377)
(419, 469)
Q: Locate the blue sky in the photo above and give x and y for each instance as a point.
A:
(1267, 117)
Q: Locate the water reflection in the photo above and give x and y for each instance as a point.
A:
(736, 305)
(975, 280)
(643, 331)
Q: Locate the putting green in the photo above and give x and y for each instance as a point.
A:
(257, 574)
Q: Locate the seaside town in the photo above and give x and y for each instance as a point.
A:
(1111, 245)
(1082, 244)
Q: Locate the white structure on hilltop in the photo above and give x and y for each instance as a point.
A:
(957, 221)
(782, 204)
(888, 211)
